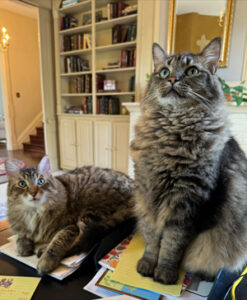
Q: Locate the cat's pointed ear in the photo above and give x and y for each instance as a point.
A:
(12, 167)
(159, 54)
(211, 55)
(44, 166)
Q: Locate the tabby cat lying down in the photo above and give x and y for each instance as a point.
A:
(66, 213)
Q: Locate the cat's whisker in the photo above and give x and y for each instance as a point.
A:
(205, 102)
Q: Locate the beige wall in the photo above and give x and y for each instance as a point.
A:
(189, 29)
(24, 65)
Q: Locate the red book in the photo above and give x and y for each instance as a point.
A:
(123, 58)
(121, 6)
(61, 23)
(97, 106)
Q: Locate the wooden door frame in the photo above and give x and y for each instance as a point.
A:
(48, 82)
(7, 101)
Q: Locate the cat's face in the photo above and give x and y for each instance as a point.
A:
(29, 186)
(186, 78)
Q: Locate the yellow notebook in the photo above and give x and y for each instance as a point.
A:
(17, 288)
(126, 273)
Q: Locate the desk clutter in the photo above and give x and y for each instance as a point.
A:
(118, 275)
(17, 287)
(68, 265)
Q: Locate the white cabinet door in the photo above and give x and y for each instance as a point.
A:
(84, 138)
(103, 144)
(67, 139)
(120, 147)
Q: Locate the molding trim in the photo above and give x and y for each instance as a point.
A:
(244, 72)
(24, 136)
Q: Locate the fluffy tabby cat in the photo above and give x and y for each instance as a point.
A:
(67, 212)
(191, 175)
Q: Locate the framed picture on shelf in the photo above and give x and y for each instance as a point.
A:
(110, 85)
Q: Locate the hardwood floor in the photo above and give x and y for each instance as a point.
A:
(31, 159)
(5, 232)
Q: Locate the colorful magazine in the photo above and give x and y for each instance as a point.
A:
(106, 282)
(110, 260)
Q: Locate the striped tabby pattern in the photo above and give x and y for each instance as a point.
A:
(67, 213)
(191, 186)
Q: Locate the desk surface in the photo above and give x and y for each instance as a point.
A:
(48, 288)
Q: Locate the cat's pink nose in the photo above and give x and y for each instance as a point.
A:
(172, 79)
(33, 191)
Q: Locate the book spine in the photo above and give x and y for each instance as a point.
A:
(123, 58)
(119, 9)
(97, 105)
(115, 10)
(61, 23)
(65, 65)
(111, 11)
(69, 64)
(134, 59)
(133, 33)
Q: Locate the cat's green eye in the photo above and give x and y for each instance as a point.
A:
(41, 181)
(22, 184)
(192, 71)
(164, 73)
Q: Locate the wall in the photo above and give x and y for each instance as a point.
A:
(1, 99)
(24, 65)
(190, 28)
(237, 44)
(237, 41)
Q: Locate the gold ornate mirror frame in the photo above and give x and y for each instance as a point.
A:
(226, 35)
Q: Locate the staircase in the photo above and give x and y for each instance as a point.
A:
(37, 143)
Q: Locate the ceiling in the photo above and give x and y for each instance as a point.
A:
(20, 8)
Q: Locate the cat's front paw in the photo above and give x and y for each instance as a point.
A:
(166, 276)
(46, 265)
(41, 250)
(24, 250)
(145, 267)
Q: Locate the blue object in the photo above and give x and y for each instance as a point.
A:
(223, 282)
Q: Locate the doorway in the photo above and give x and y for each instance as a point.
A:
(20, 75)
(2, 120)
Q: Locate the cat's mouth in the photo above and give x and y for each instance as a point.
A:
(35, 199)
(174, 92)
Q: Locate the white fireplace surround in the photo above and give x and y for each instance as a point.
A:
(238, 118)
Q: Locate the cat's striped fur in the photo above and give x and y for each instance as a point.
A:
(67, 213)
(190, 173)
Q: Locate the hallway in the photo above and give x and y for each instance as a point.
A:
(31, 159)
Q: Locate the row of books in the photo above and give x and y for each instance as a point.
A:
(76, 42)
(108, 105)
(114, 10)
(75, 63)
(80, 84)
(121, 34)
(128, 58)
(85, 108)
(67, 22)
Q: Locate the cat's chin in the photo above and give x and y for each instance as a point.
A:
(172, 98)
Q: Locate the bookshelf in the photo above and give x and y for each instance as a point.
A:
(100, 52)
(109, 38)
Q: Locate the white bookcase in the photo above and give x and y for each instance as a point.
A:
(98, 139)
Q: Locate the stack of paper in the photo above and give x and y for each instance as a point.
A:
(68, 265)
(16, 287)
(119, 274)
